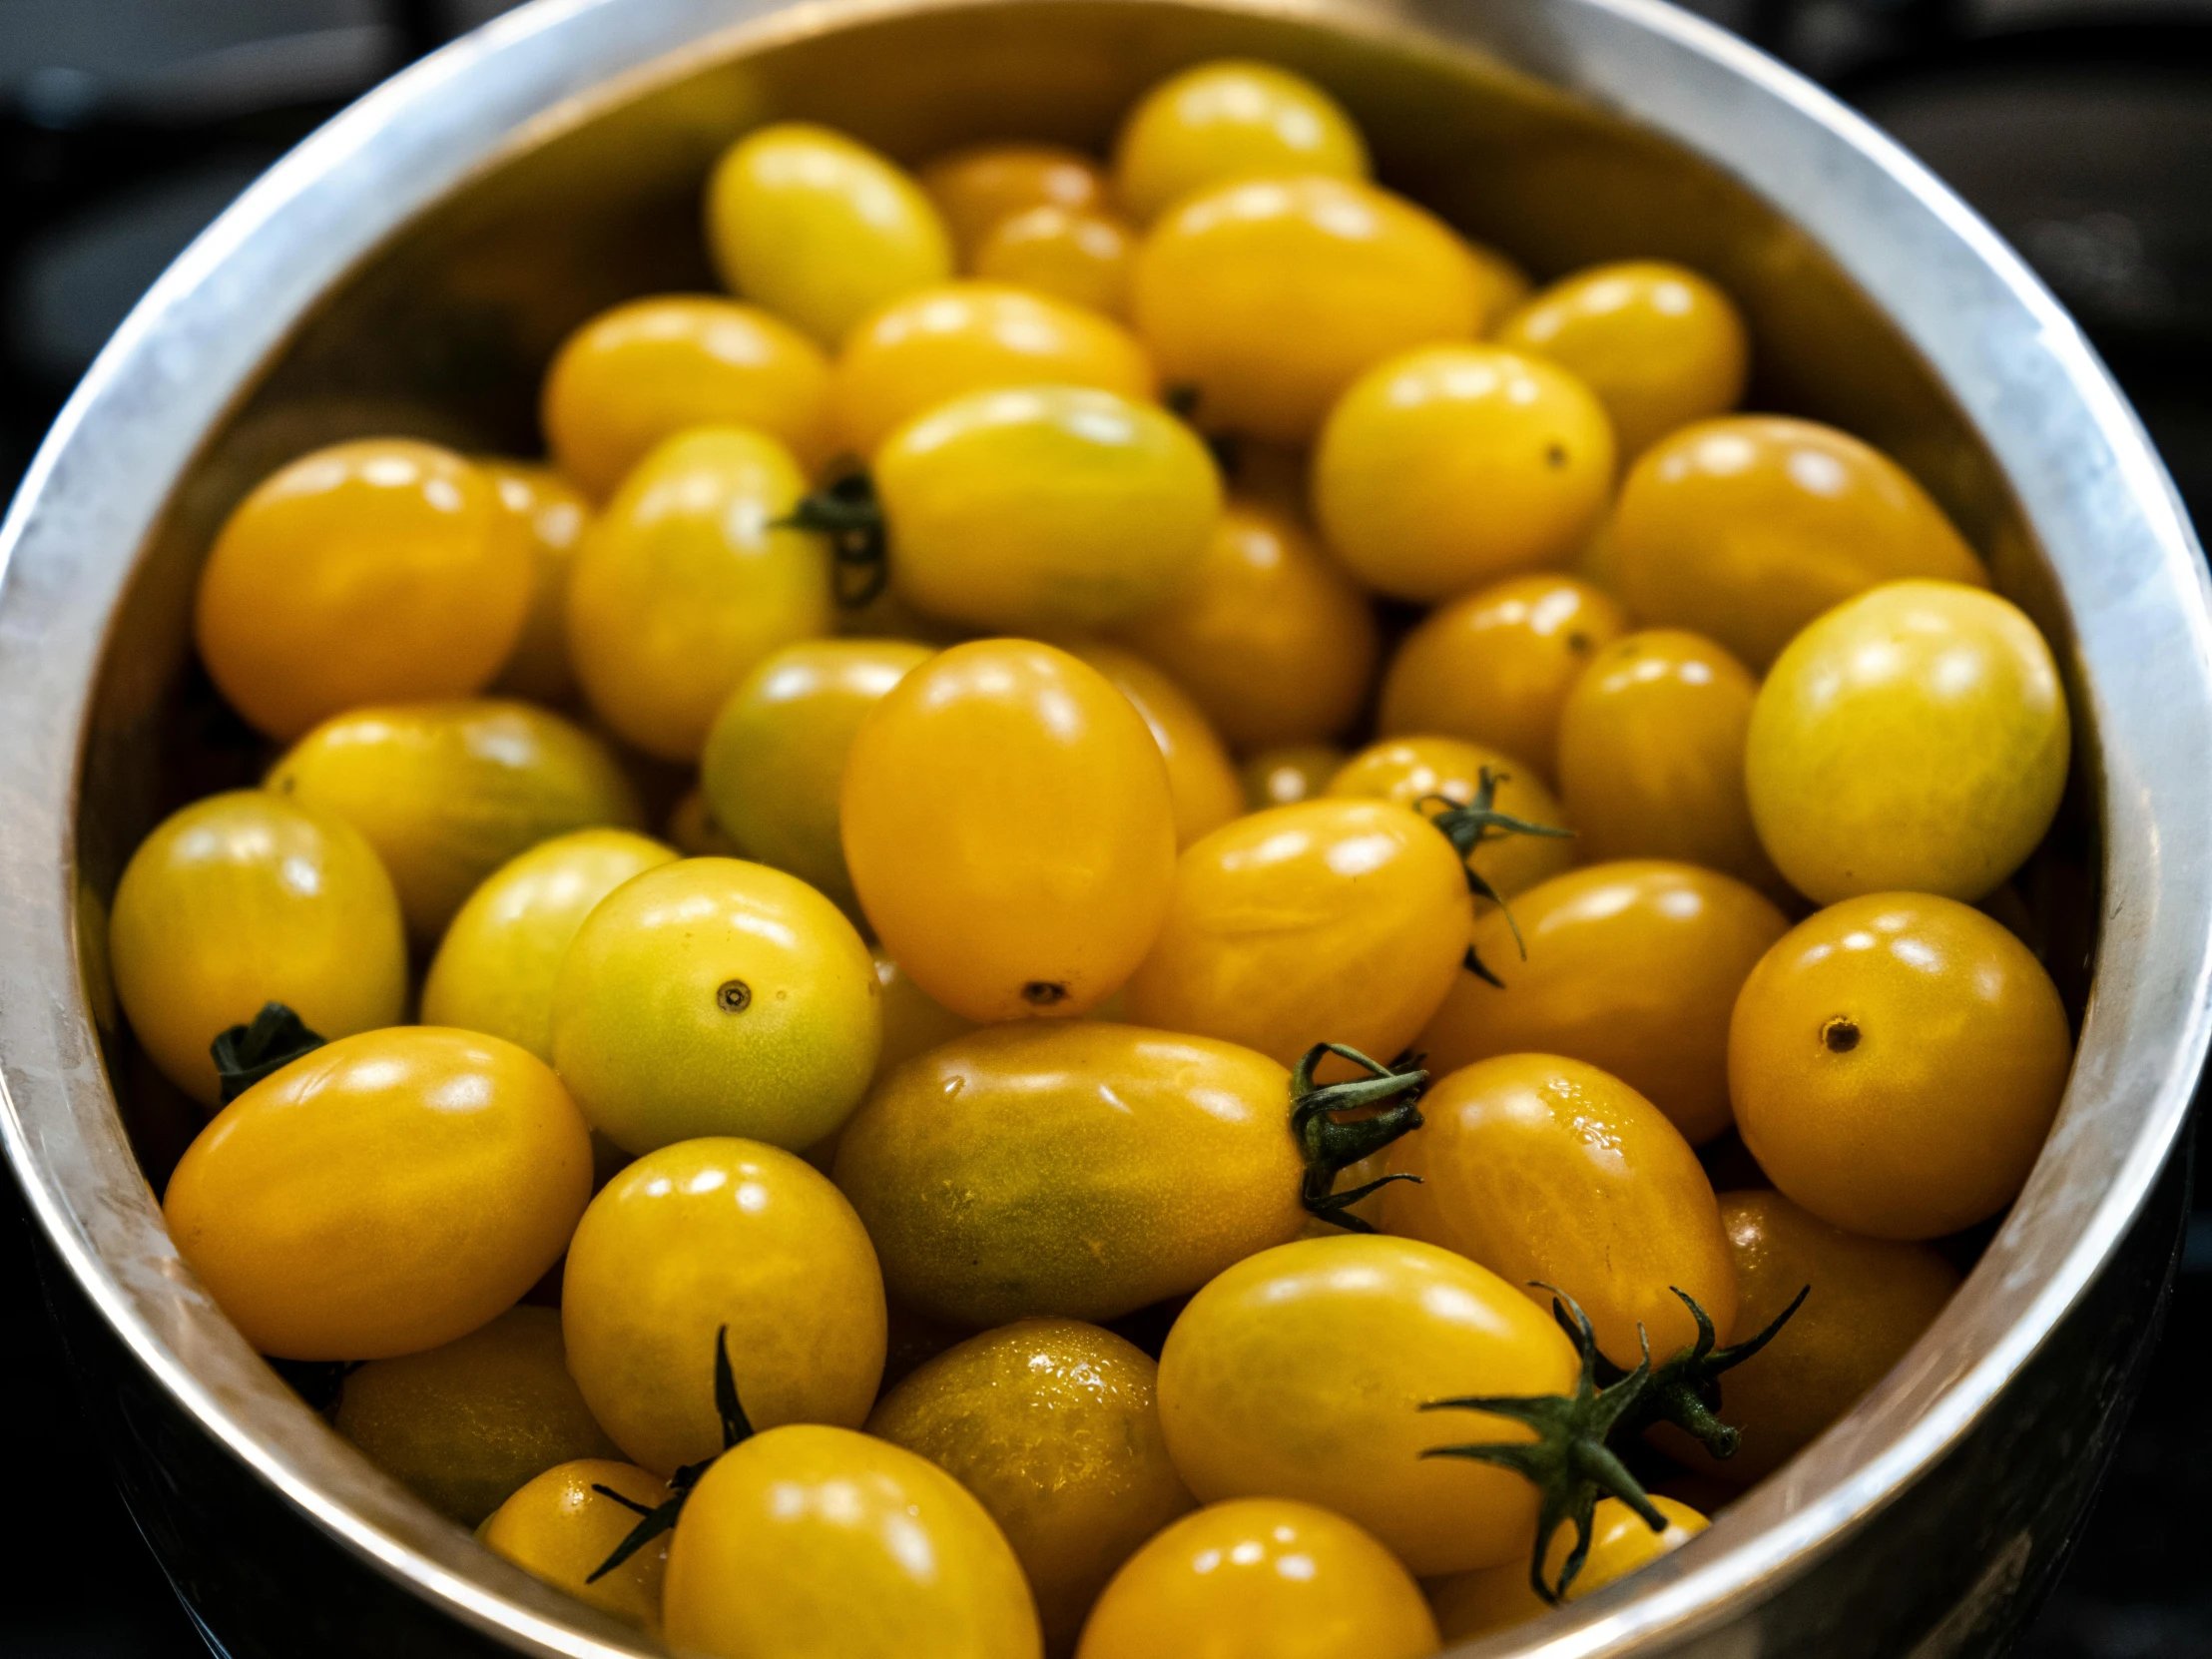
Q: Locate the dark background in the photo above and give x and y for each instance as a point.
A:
(2082, 128)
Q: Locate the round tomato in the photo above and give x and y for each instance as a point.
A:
(1416, 772)
(1288, 773)
(1082, 258)
(561, 1529)
(548, 515)
(1470, 1604)
(980, 188)
(1201, 780)
(1220, 122)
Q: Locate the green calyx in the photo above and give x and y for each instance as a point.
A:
(657, 1519)
(244, 1054)
(1387, 1099)
(1467, 825)
(847, 512)
(1686, 1389)
(1570, 1462)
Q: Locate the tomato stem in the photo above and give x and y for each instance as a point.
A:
(847, 511)
(1467, 824)
(657, 1519)
(244, 1054)
(1332, 1146)
(1686, 1389)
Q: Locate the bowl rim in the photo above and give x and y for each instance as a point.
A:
(2132, 582)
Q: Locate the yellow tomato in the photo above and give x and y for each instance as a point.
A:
(466, 1424)
(446, 792)
(561, 1529)
(1082, 258)
(1269, 635)
(1271, 297)
(1415, 771)
(1913, 739)
(1300, 1374)
(774, 759)
(914, 1021)
(1285, 775)
(495, 967)
(711, 1234)
(1896, 1062)
(387, 1192)
(1201, 780)
(1659, 344)
(1056, 1168)
(819, 1543)
(1745, 529)
(1220, 122)
(981, 186)
(818, 228)
(1053, 1425)
(1470, 1604)
(1512, 1148)
(1453, 465)
(711, 996)
(1651, 755)
(362, 573)
(1496, 667)
(693, 832)
(1044, 507)
(1329, 922)
(548, 515)
(1262, 1578)
(244, 899)
(647, 369)
(687, 580)
(1009, 830)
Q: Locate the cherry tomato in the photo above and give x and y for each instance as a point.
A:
(913, 1022)
(464, 1425)
(1329, 922)
(1512, 1146)
(1271, 297)
(968, 1163)
(362, 573)
(981, 186)
(1496, 666)
(687, 580)
(1269, 637)
(1470, 1604)
(774, 759)
(1633, 968)
(693, 832)
(548, 515)
(1217, 123)
(561, 1529)
(495, 967)
(938, 344)
(1009, 830)
(1745, 529)
(1053, 1425)
(1262, 1578)
(1415, 771)
(1285, 775)
(819, 1543)
(1301, 1372)
(1082, 258)
(1651, 755)
(1659, 344)
(711, 1234)
(1201, 780)
(1896, 1062)
(387, 1192)
(1044, 507)
(245, 899)
(1449, 466)
(711, 996)
(1913, 739)
(446, 792)
(820, 230)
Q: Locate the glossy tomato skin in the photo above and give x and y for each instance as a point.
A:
(712, 996)
(1262, 1578)
(1201, 780)
(1053, 1425)
(1329, 922)
(705, 1234)
(1290, 772)
(448, 792)
(687, 581)
(244, 899)
(1472, 1604)
(813, 1542)
(1895, 1061)
(1915, 739)
(641, 372)
(560, 1528)
(1300, 1373)
(980, 188)
(1044, 507)
(1008, 824)
(1632, 967)
(1746, 528)
(1220, 122)
(1496, 666)
(1510, 1145)
(387, 1192)
(1082, 258)
(362, 573)
(818, 228)
(547, 515)
(1413, 772)
(967, 1163)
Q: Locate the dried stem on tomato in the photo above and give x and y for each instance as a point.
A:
(655, 1519)
(244, 1054)
(846, 511)
(1332, 1145)
(1467, 825)
(1686, 1388)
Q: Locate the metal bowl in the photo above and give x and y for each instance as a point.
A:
(411, 265)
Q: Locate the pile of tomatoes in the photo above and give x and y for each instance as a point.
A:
(999, 1176)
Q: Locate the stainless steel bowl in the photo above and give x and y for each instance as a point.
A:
(410, 268)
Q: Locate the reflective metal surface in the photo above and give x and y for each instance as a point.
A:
(411, 267)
